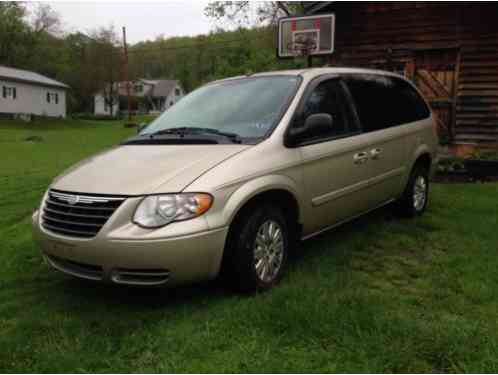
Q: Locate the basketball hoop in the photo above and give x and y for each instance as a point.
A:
(306, 36)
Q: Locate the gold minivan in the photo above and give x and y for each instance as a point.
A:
(227, 179)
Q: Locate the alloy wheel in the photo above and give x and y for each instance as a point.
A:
(268, 251)
(419, 193)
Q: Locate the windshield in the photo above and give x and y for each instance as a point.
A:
(247, 107)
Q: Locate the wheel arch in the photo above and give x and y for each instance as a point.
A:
(279, 190)
(276, 189)
(425, 159)
(422, 154)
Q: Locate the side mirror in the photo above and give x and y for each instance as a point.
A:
(315, 125)
(141, 127)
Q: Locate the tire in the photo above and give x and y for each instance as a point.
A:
(249, 249)
(416, 195)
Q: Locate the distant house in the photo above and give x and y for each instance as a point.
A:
(28, 93)
(147, 95)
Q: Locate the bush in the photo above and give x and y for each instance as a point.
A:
(484, 155)
(450, 165)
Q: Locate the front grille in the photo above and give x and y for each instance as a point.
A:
(77, 215)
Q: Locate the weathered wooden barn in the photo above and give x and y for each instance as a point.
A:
(449, 49)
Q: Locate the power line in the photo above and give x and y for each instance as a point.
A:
(193, 45)
(135, 49)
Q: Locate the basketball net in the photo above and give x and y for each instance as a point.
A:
(302, 48)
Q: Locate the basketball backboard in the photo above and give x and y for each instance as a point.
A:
(305, 36)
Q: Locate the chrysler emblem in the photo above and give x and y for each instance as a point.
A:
(73, 199)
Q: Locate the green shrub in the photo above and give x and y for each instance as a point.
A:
(485, 155)
(450, 164)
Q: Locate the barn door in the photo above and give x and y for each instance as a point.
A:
(434, 73)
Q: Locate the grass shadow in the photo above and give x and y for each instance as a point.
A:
(316, 246)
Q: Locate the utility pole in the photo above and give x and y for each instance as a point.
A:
(127, 80)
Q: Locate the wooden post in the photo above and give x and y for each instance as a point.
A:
(127, 80)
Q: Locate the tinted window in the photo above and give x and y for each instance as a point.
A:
(328, 98)
(382, 101)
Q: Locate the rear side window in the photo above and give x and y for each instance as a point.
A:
(383, 102)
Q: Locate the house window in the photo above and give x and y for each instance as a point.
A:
(9, 92)
(177, 91)
(52, 97)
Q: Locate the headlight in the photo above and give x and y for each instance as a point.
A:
(158, 210)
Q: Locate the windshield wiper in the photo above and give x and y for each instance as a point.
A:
(180, 130)
(196, 130)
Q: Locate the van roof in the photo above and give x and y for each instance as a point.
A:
(313, 72)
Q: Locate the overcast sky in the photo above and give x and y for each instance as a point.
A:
(143, 20)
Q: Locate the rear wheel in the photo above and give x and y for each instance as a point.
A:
(257, 249)
(414, 199)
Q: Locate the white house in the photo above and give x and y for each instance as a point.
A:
(147, 96)
(25, 93)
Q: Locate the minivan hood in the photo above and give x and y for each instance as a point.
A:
(143, 169)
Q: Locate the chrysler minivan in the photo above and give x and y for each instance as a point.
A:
(230, 177)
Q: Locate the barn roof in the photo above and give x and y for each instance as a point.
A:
(20, 75)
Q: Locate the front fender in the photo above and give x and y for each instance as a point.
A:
(245, 191)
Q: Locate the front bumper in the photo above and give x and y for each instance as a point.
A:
(124, 259)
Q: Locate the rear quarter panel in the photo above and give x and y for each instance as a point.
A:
(420, 139)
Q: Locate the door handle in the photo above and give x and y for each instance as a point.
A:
(375, 153)
(360, 157)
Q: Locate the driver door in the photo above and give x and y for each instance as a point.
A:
(335, 168)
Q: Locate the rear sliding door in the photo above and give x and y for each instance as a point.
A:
(386, 110)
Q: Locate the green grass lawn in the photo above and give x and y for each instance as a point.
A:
(380, 294)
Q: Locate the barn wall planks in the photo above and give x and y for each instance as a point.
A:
(441, 46)
(477, 93)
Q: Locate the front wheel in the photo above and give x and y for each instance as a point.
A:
(415, 197)
(257, 249)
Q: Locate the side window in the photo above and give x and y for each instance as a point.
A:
(383, 102)
(328, 97)
(409, 104)
(9, 92)
(371, 97)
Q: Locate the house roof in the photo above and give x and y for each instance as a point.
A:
(157, 87)
(163, 87)
(13, 74)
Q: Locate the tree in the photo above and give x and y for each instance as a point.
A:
(31, 38)
(45, 19)
(78, 71)
(16, 39)
(104, 56)
(247, 12)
